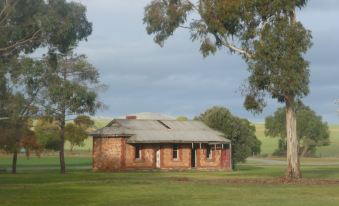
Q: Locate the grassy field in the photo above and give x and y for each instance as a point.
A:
(39, 183)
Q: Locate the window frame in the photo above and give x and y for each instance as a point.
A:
(137, 152)
(209, 152)
(175, 150)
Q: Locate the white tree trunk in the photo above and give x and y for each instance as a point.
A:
(293, 164)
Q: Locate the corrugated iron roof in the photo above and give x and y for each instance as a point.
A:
(161, 131)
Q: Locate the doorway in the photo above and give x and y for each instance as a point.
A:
(157, 158)
(193, 157)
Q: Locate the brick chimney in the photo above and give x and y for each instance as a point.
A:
(131, 117)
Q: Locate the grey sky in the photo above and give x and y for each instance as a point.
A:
(177, 80)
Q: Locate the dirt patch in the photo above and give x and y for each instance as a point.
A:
(181, 179)
(281, 181)
(261, 181)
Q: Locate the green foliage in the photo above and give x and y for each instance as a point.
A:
(240, 131)
(312, 132)
(84, 121)
(21, 80)
(163, 17)
(76, 132)
(182, 118)
(72, 90)
(47, 134)
(26, 25)
(72, 87)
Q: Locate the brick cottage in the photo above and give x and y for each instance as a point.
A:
(127, 144)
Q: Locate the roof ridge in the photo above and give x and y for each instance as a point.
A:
(159, 120)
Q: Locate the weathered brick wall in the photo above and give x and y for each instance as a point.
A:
(220, 158)
(147, 157)
(215, 161)
(227, 164)
(115, 154)
(107, 153)
(167, 161)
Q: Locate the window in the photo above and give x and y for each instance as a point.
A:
(138, 152)
(209, 152)
(175, 154)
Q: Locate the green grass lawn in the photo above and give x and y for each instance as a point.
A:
(46, 162)
(81, 186)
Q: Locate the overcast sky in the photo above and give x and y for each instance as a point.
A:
(177, 80)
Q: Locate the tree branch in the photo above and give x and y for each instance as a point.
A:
(6, 10)
(20, 42)
(240, 51)
(235, 48)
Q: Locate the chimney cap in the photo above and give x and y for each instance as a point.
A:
(131, 117)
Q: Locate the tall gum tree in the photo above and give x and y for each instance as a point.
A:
(72, 90)
(265, 33)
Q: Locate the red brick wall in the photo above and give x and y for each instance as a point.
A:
(107, 153)
(216, 161)
(147, 159)
(167, 161)
(116, 154)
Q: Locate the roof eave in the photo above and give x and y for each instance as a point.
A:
(176, 141)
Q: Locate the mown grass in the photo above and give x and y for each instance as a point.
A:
(84, 187)
(45, 162)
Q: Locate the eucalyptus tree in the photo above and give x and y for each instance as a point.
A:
(312, 132)
(72, 90)
(265, 33)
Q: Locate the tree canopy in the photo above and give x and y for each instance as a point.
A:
(240, 131)
(26, 25)
(312, 132)
(76, 131)
(47, 133)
